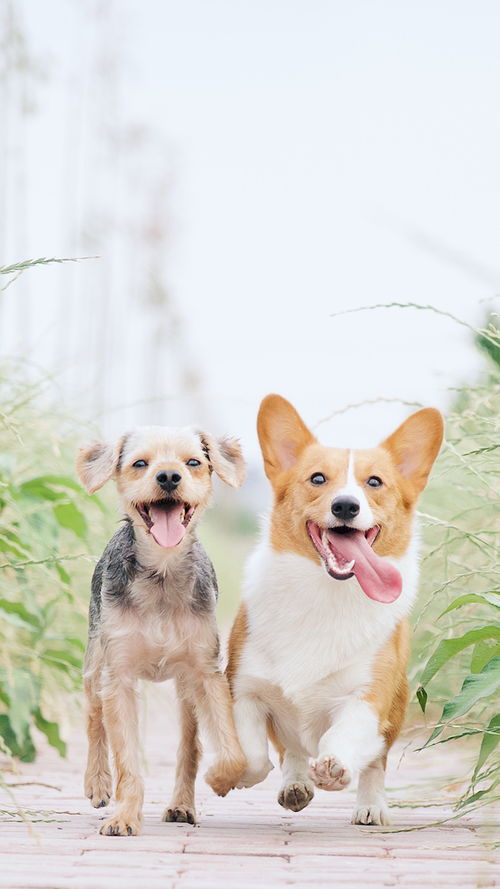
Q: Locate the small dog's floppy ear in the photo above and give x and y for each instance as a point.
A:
(225, 458)
(97, 462)
(415, 445)
(283, 435)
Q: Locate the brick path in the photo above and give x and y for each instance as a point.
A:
(245, 839)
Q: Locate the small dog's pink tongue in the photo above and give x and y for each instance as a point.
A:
(167, 528)
(377, 578)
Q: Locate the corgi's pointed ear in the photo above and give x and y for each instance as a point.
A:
(415, 445)
(225, 457)
(283, 435)
(97, 462)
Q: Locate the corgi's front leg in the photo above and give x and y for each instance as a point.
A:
(250, 716)
(352, 743)
(297, 790)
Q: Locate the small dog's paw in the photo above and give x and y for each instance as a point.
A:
(375, 814)
(254, 774)
(99, 788)
(330, 773)
(121, 826)
(224, 775)
(180, 814)
(296, 796)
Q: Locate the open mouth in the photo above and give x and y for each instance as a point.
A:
(166, 520)
(348, 552)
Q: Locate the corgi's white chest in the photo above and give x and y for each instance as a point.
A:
(306, 628)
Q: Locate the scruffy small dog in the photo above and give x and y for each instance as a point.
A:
(152, 616)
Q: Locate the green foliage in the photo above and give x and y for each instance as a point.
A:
(490, 344)
(475, 687)
(457, 634)
(456, 650)
(46, 531)
(447, 648)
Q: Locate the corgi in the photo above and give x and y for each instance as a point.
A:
(319, 648)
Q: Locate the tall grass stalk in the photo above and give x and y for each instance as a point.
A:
(17, 268)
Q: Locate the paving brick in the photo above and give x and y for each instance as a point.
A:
(245, 841)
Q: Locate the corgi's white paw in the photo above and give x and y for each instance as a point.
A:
(377, 813)
(330, 773)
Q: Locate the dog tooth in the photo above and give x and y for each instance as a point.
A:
(350, 566)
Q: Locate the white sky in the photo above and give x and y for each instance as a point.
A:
(311, 144)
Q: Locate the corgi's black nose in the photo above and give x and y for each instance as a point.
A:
(345, 508)
(168, 480)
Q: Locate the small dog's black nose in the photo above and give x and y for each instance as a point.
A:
(345, 508)
(168, 480)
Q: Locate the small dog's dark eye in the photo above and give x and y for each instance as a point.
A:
(193, 462)
(139, 464)
(318, 478)
(374, 481)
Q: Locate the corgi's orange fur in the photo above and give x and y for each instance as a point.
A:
(318, 651)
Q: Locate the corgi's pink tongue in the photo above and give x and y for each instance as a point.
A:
(167, 528)
(377, 578)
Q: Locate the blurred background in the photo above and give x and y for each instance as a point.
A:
(242, 171)
(235, 178)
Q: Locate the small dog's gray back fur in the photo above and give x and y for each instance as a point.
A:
(193, 583)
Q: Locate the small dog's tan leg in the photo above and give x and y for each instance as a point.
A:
(182, 807)
(231, 762)
(121, 722)
(98, 783)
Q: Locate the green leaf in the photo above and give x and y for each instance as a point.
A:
(51, 732)
(482, 653)
(4, 698)
(422, 697)
(23, 697)
(466, 733)
(469, 800)
(14, 620)
(69, 516)
(36, 488)
(480, 598)
(447, 648)
(475, 687)
(490, 740)
(76, 642)
(11, 535)
(17, 608)
(6, 547)
(11, 542)
(25, 749)
(62, 481)
(63, 574)
(62, 657)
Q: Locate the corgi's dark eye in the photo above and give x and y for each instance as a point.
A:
(374, 481)
(318, 479)
(139, 464)
(193, 462)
